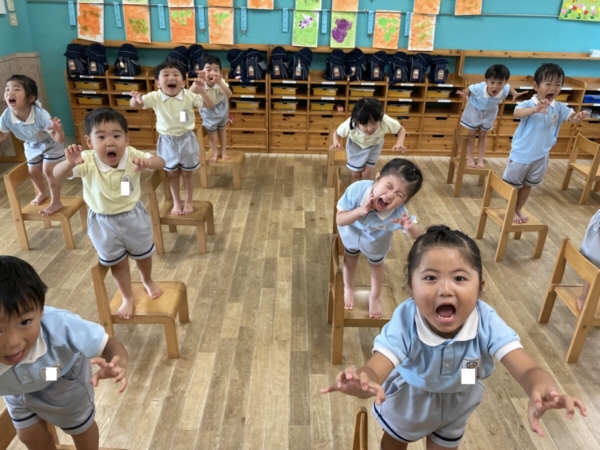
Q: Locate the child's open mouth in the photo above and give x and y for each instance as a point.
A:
(12, 101)
(549, 97)
(445, 313)
(380, 204)
(111, 155)
(16, 358)
(172, 85)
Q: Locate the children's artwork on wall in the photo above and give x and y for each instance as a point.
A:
(580, 10)
(468, 7)
(422, 32)
(183, 25)
(90, 21)
(343, 30)
(386, 30)
(427, 6)
(260, 4)
(306, 29)
(180, 3)
(137, 22)
(308, 5)
(344, 5)
(220, 25)
(225, 3)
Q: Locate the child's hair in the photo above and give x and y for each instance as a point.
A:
(407, 171)
(169, 65)
(366, 110)
(212, 59)
(28, 85)
(442, 236)
(104, 115)
(548, 71)
(497, 72)
(21, 289)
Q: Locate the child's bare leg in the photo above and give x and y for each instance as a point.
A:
(471, 147)
(188, 184)
(212, 141)
(54, 185)
(145, 268)
(581, 299)
(433, 446)
(366, 173)
(88, 440)
(482, 145)
(355, 176)
(223, 141)
(174, 186)
(122, 277)
(522, 197)
(37, 178)
(37, 437)
(377, 272)
(389, 443)
(350, 263)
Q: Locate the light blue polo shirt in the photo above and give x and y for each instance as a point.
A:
(481, 100)
(32, 130)
(432, 363)
(537, 133)
(63, 337)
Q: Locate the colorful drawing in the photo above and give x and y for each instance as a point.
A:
(137, 23)
(387, 30)
(135, 2)
(580, 10)
(344, 5)
(180, 3)
(427, 6)
(468, 7)
(308, 5)
(260, 4)
(183, 25)
(90, 22)
(422, 32)
(225, 3)
(220, 25)
(343, 29)
(306, 29)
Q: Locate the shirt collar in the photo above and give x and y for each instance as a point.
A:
(486, 95)
(381, 214)
(38, 350)
(165, 97)
(536, 100)
(30, 120)
(105, 167)
(429, 337)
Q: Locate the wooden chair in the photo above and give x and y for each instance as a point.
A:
(162, 310)
(590, 172)
(202, 218)
(71, 205)
(503, 216)
(359, 316)
(338, 190)
(335, 159)
(569, 293)
(237, 163)
(361, 430)
(458, 162)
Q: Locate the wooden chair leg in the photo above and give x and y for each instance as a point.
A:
(458, 185)
(22, 234)
(450, 176)
(83, 217)
(337, 341)
(210, 223)
(67, 233)
(201, 235)
(517, 235)
(171, 337)
(47, 224)
(546, 311)
(330, 305)
(173, 228)
(587, 189)
(243, 167)
(596, 186)
(481, 180)
(541, 240)
(158, 238)
(581, 331)
(504, 235)
(203, 177)
(330, 169)
(52, 431)
(567, 179)
(481, 225)
(183, 311)
(237, 185)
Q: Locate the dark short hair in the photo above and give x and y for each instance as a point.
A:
(497, 72)
(548, 71)
(366, 110)
(405, 170)
(21, 288)
(104, 115)
(212, 59)
(28, 85)
(169, 65)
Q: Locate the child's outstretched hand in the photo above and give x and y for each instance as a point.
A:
(539, 403)
(335, 146)
(581, 115)
(200, 80)
(517, 94)
(463, 94)
(217, 77)
(141, 164)
(404, 221)
(542, 106)
(357, 385)
(137, 97)
(55, 126)
(399, 147)
(73, 155)
(110, 370)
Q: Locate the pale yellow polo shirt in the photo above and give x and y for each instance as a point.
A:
(168, 111)
(102, 183)
(215, 92)
(363, 140)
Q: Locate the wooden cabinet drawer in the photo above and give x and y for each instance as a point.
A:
(80, 113)
(142, 136)
(508, 126)
(412, 124)
(318, 141)
(288, 121)
(323, 122)
(411, 143)
(566, 130)
(440, 125)
(139, 117)
(503, 144)
(589, 128)
(436, 142)
(249, 120)
(561, 147)
(248, 138)
(288, 139)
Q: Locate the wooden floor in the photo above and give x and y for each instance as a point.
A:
(256, 351)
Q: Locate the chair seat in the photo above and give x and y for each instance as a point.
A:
(70, 206)
(236, 158)
(340, 158)
(568, 293)
(476, 171)
(145, 307)
(498, 214)
(201, 213)
(585, 169)
(359, 316)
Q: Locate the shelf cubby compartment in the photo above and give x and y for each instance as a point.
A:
(440, 124)
(411, 142)
(289, 139)
(442, 109)
(249, 120)
(412, 124)
(318, 141)
(508, 125)
(248, 139)
(436, 143)
(589, 128)
(324, 122)
(289, 120)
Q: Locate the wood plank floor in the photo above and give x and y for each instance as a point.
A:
(256, 351)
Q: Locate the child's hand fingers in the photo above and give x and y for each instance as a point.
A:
(351, 373)
(579, 404)
(332, 388)
(123, 385)
(378, 393)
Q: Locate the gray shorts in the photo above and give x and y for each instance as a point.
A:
(409, 413)
(216, 118)
(47, 151)
(68, 403)
(590, 247)
(115, 236)
(531, 174)
(359, 157)
(473, 118)
(179, 152)
(357, 241)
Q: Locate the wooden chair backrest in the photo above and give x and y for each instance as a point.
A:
(102, 301)
(497, 184)
(580, 264)
(8, 430)
(338, 186)
(16, 177)
(361, 437)
(158, 177)
(458, 145)
(335, 272)
(584, 145)
(200, 133)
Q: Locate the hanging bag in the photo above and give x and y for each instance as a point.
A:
(356, 64)
(418, 67)
(179, 55)
(196, 55)
(301, 64)
(97, 62)
(256, 68)
(335, 66)
(127, 63)
(77, 63)
(438, 70)
(279, 68)
(398, 68)
(376, 67)
(236, 61)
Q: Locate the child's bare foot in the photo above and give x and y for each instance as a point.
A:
(225, 156)
(39, 199)
(480, 164)
(581, 304)
(51, 209)
(349, 299)
(517, 219)
(375, 310)
(188, 208)
(470, 162)
(177, 209)
(153, 290)
(523, 217)
(214, 158)
(126, 309)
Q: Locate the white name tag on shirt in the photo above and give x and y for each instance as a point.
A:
(470, 370)
(183, 116)
(126, 187)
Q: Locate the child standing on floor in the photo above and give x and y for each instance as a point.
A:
(118, 224)
(429, 360)
(541, 118)
(482, 108)
(42, 135)
(36, 340)
(368, 213)
(590, 248)
(365, 131)
(215, 119)
(177, 143)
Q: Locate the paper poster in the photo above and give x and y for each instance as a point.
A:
(344, 5)
(260, 4)
(427, 6)
(308, 5)
(225, 3)
(179, 3)
(220, 25)
(183, 25)
(386, 30)
(137, 22)
(422, 32)
(581, 10)
(306, 29)
(468, 7)
(135, 2)
(90, 22)
(343, 30)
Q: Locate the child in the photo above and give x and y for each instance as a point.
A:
(541, 117)
(365, 130)
(118, 223)
(482, 108)
(43, 136)
(36, 340)
(430, 343)
(590, 248)
(177, 144)
(368, 213)
(215, 119)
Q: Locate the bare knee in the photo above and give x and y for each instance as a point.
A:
(186, 174)
(37, 437)
(35, 170)
(49, 173)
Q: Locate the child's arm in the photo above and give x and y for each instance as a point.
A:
(521, 113)
(412, 229)
(578, 117)
(464, 94)
(151, 163)
(399, 145)
(64, 169)
(116, 368)
(136, 99)
(336, 142)
(3, 135)
(198, 88)
(56, 130)
(515, 94)
(224, 88)
(540, 387)
(344, 218)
